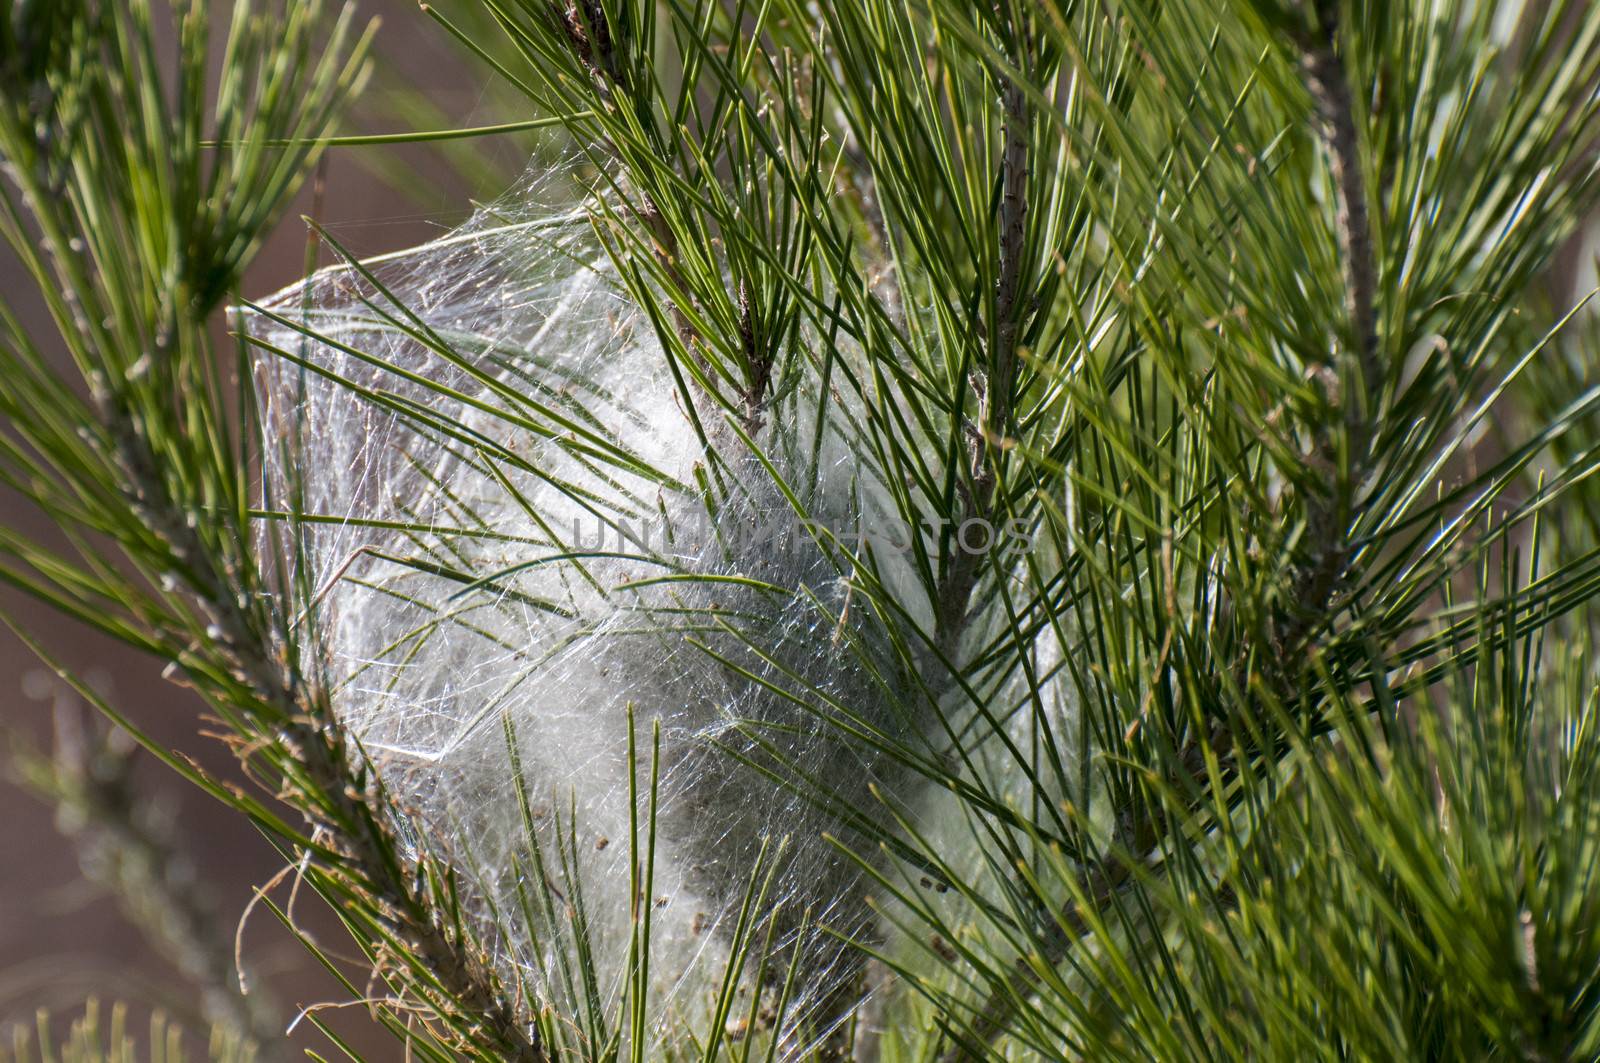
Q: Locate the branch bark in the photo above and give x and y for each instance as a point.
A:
(996, 393)
(1319, 578)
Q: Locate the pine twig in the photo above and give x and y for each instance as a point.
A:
(348, 810)
(128, 847)
(352, 818)
(1315, 585)
(997, 396)
(997, 393)
(1319, 579)
(664, 245)
(597, 46)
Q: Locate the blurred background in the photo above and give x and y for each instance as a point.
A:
(62, 937)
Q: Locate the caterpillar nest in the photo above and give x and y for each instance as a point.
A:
(518, 560)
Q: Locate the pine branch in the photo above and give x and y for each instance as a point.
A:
(163, 468)
(128, 847)
(348, 810)
(1312, 587)
(1321, 576)
(600, 48)
(664, 244)
(996, 394)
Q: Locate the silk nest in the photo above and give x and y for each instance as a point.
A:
(591, 650)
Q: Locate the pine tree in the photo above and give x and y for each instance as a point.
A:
(933, 530)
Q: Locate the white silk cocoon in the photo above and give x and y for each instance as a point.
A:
(507, 547)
